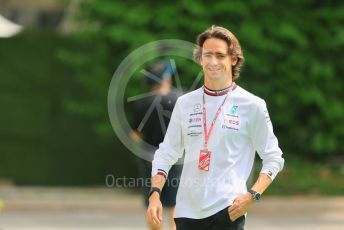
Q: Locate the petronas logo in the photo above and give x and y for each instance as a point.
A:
(234, 110)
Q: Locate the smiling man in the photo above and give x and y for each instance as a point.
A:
(220, 127)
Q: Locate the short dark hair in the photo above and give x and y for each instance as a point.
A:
(160, 69)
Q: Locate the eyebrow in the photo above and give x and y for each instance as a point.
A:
(217, 53)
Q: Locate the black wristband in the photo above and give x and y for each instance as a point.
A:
(154, 189)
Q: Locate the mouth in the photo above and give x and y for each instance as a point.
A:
(214, 69)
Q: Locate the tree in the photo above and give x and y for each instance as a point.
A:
(292, 52)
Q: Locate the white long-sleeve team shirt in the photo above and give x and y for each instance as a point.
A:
(242, 128)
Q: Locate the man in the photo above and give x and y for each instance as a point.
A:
(154, 128)
(220, 126)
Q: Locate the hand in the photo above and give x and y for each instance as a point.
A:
(154, 211)
(240, 206)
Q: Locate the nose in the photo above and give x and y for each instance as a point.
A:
(213, 60)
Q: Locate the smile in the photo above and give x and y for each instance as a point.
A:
(210, 69)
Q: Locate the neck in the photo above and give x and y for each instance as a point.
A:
(217, 85)
(219, 92)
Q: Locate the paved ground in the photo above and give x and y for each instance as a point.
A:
(104, 209)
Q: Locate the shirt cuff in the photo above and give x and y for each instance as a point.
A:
(270, 173)
(160, 170)
(162, 173)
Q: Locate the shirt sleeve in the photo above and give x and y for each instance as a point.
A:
(172, 148)
(265, 142)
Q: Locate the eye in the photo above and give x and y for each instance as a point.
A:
(220, 56)
(206, 55)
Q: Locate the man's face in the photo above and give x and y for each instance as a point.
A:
(215, 60)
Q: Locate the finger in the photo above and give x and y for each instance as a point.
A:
(151, 214)
(233, 206)
(230, 208)
(155, 217)
(234, 213)
(160, 214)
(149, 217)
(155, 221)
(233, 218)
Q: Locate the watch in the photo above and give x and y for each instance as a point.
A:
(255, 195)
(154, 189)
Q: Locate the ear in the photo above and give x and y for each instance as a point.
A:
(234, 61)
(200, 60)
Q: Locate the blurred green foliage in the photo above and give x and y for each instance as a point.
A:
(54, 121)
(301, 177)
(293, 53)
(41, 143)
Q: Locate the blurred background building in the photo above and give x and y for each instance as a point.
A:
(42, 14)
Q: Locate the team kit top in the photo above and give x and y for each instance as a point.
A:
(219, 133)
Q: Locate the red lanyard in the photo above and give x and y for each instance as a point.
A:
(208, 133)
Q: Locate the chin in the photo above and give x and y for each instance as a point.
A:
(215, 76)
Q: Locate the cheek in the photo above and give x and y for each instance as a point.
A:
(203, 64)
(224, 66)
(229, 66)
